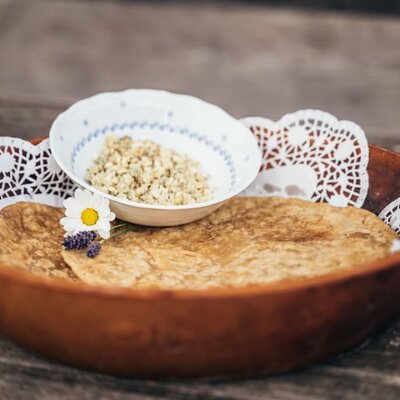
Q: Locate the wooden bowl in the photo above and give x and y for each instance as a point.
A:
(271, 329)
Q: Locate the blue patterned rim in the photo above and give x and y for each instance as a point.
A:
(222, 153)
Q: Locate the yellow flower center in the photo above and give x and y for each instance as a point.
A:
(89, 216)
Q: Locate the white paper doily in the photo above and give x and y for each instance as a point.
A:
(30, 173)
(296, 150)
(309, 154)
(391, 215)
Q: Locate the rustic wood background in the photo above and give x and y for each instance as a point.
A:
(368, 373)
(249, 59)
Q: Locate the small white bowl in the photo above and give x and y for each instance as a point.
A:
(226, 150)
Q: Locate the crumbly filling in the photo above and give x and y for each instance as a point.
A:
(145, 172)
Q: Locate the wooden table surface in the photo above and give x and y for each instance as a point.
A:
(249, 60)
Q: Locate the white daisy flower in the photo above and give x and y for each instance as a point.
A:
(87, 211)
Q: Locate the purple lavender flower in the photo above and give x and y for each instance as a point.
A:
(70, 242)
(93, 249)
(86, 237)
(79, 241)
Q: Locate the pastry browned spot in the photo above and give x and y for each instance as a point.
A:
(30, 240)
(248, 241)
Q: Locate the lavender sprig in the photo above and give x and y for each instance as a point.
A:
(87, 239)
(93, 249)
(81, 240)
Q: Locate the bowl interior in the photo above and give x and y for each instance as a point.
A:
(226, 150)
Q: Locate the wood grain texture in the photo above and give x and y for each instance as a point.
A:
(27, 116)
(370, 372)
(31, 117)
(380, 193)
(249, 59)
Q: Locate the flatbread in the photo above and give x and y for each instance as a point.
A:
(248, 241)
(30, 240)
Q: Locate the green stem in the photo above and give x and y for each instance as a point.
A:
(119, 225)
(118, 232)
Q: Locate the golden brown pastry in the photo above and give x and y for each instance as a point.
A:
(30, 240)
(248, 241)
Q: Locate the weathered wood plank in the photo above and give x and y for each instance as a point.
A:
(365, 373)
(251, 60)
(27, 117)
(30, 116)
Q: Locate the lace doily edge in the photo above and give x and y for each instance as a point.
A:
(49, 200)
